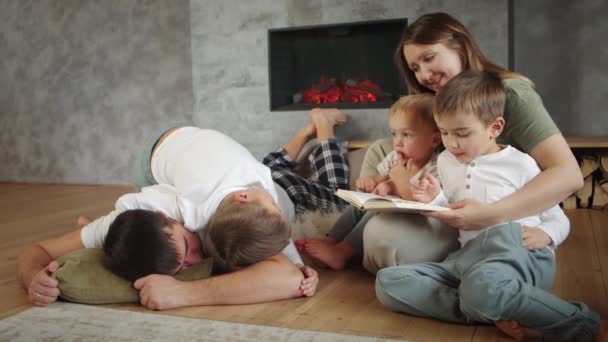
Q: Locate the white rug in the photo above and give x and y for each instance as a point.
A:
(75, 322)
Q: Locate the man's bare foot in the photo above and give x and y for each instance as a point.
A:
(83, 220)
(333, 255)
(511, 328)
(327, 116)
(301, 244)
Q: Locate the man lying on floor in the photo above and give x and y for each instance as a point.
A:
(239, 207)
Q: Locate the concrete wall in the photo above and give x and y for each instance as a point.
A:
(561, 46)
(83, 82)
(230, 64)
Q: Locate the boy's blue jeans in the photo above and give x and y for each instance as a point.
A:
(493, 277)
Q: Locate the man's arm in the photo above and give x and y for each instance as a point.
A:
(272, 279)
(36, 265)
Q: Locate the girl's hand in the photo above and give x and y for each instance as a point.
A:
(403, 171)
(385, 188)
(366, 184)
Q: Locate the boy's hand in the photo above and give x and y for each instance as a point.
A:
(43, 289)
(366, 184)
(535, 238)
(426, 189)
(310, 282)
(385, 188)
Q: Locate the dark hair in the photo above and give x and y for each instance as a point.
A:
(243, 234)
(138, 244)
(436, 28)
(479, 93)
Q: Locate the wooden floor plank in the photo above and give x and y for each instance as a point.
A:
(578, 274)
(599, 222)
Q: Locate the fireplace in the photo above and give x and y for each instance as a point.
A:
(340, 65)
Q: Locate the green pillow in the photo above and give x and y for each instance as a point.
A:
(84, 279)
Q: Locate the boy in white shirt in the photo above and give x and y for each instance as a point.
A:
(415, 139)
(502, 274)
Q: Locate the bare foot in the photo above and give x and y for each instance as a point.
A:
(327, 116)
(83, 220)
(333, 255)
(301, 244)
(511, 328)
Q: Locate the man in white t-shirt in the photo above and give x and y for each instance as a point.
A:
(198, 171)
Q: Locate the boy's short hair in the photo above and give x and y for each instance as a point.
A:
(241, 234)
(421, 104)
(477, 92)
(138, 244)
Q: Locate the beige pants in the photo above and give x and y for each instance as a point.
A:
(398, 239)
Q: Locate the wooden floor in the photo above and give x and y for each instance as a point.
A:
(345, 301)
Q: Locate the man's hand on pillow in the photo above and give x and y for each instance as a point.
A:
(310, 282)
(160, 292)
(43, 289)
(535, 238)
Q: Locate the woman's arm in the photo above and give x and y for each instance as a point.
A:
(560, 177)
(273, 279)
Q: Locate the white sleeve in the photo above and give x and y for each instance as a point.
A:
(292, 254)
(386, 164)
(94, 234)
(440, 200)
(154, 198)
(555, 223)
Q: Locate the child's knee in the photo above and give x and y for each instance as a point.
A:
(487, 300)
(395, 283)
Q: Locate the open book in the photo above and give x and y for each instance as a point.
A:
(372, 202)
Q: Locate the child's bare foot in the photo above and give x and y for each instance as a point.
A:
(327, 116)
(83, 220)
(301, 244)
(333, 255)
(511, 328)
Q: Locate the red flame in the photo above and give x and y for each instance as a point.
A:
(327, 91)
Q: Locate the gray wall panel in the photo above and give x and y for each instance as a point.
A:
(82, 83)
(561, 46)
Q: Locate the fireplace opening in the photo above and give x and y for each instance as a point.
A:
(340, 65)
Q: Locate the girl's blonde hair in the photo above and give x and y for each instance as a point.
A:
(441, 28)
(421, 104)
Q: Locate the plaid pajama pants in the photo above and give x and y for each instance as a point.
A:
(330, 173)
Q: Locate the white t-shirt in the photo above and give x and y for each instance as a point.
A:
(490, 178)
(392, 158)
(196, 169)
